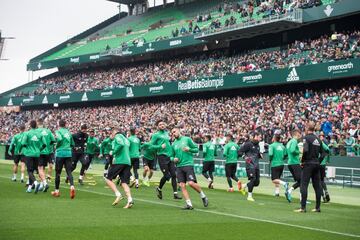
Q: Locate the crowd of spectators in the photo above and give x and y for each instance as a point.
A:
(243, 11)
(336, 112)
(326, 48)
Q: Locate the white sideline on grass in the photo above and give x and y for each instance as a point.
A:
(226, 214)
(232, 215)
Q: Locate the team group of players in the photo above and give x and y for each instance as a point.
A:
(35, 149)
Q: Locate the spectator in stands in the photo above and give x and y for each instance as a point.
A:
(354, 132)
(326, 126)
(215, 116)
(183, 30)
(206, 65)
(349, 145)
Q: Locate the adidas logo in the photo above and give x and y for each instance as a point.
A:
(84, 97)
(45, 100)
(293, 76)
(10, 103)
(316, 142)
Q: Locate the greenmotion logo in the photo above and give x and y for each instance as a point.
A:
(340, 68)
(106, 94)
(252, 78)
(156, 89)
(64, 98)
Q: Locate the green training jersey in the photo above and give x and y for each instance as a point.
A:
(49, 140)
(159, 138)
(209, 150)
(16, 144)
(105, 146)
(185, 158)
(134, 146)
(277, 153)
(293, 152)
(327, 150)
(149, 151)
(92, 145)
(231, 152)
(120, 150)
(64, 143)
(33, 142)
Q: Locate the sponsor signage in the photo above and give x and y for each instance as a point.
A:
(200, 84)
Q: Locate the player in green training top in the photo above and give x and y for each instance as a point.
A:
(293, 153)
(149, 156)
(134, 155)
(277, 153)
(325, 194)
(209, 152)
(63, 157)
(92, 146)
(105, 148)
(32, 143)
(183, 149)
(15, 146)
(46, 154)
(120, 167)
(231, 158)
(161, 142)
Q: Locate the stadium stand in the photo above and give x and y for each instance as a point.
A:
(336, 111)
(161, 23)
(336, 46)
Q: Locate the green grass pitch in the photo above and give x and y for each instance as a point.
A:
(229, 216)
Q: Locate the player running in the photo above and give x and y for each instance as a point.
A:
(33, 143)
(251, 150)
(134, 155)
(46, 154)
(182, 153)
(326, 159)
(209, 152)
(63, 158)
(92, 146)
(277, 153)
(80, 139)
(293, 153)
(105, 148)
(231, 158)
(120, 167)
(149, 156)
(161, 142)
(18, 157)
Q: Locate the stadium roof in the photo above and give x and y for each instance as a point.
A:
(127, 1)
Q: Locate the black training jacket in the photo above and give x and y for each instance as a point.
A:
(252, 154)
(313, 151)
(80, 139)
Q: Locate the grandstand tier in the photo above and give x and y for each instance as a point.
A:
(178, 26)
(308, 73)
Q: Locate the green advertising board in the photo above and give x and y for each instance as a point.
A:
(324, 12)
(314, 72)
(140, 48)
